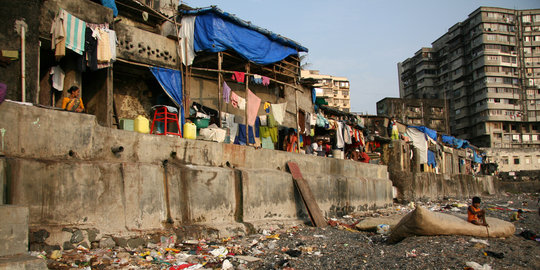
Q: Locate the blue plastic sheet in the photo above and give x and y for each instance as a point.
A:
(431, 159)
(110, 4)
(171, 82)
(429, 132)
(215, 32)
(448, 139)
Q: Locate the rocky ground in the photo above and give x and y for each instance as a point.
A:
(339, 246)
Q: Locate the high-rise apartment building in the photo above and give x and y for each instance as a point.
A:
(334, 89)
(488, 68)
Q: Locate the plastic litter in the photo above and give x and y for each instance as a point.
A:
(227, 265)
(481, 241)
(383, 229)
(477, 266)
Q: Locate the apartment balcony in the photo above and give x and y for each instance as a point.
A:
(458, 85)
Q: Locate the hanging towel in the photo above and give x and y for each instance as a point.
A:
(234, 99)
(113, 42)
(263, 120)
(57, 78)
(265, 80)
(254, 102)
(241, 103)
(226, 93)
(339, 135)
(104, 49)
(267, 143)
(186, 37)
(239, 76)
(58, 35)
(257, 79)
(75, 33)
(419, 141)
(278, 110)
(347, 138)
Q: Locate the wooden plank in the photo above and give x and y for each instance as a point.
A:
(315, 213)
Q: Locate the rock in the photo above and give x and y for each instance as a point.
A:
(77, 237)
(39, 236)
(94, 245)
(136, 242)
(122, 242)
(107, 242)
(92, 234)
(68, 245)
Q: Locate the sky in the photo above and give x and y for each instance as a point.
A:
(360, 39)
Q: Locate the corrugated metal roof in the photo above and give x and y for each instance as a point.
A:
(273, 36)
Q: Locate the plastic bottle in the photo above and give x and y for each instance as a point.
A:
(142, 124)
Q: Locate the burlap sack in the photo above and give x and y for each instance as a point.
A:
(424, 222)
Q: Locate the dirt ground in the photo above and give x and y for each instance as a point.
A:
(340, 246)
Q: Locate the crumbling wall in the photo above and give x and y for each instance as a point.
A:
(79, 191)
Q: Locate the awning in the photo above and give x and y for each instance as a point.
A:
(171, 82)
(217, 31)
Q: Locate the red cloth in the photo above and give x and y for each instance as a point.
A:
(364, 157)
(239, 76)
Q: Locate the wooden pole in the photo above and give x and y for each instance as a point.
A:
(220, 87)
(109, 98)
(247, 101)
(23, 63)
(186, 84)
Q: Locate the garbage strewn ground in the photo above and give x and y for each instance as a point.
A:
(339, 246)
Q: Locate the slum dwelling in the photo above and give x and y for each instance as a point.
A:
(137, 56)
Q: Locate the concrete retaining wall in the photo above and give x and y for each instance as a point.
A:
(438, 186)
(520, 186)
(60, 165)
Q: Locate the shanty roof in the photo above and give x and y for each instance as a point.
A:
(272, 36)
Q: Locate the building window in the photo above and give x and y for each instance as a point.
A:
(527, 159)
(516, 160)
(505, 160)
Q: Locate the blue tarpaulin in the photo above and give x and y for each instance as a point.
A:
(429, 132)
(217, 31)
(431, 159)
(448, 139)
(110, 4)
(171, 81)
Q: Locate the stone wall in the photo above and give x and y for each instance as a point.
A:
(71, 181)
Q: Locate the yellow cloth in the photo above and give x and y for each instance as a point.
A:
(66, 101)
(264, 132)
(273, 134)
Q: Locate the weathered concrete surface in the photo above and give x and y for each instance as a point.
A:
(69, 178)
(520, 186)
(438, 186)
(22, 262)
(13, 230)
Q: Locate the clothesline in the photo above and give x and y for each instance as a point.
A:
(247, 73)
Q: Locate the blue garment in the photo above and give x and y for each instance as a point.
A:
(215, 32)
(431, 159)
(313, 95)
(429, 132)
(241, 135)
(171, 82)
(110, 4)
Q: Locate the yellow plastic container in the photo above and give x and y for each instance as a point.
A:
(142, 124)
(190, 131)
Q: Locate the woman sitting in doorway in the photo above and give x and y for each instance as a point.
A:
(73, 103)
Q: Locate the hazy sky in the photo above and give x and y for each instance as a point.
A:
(359, 39)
